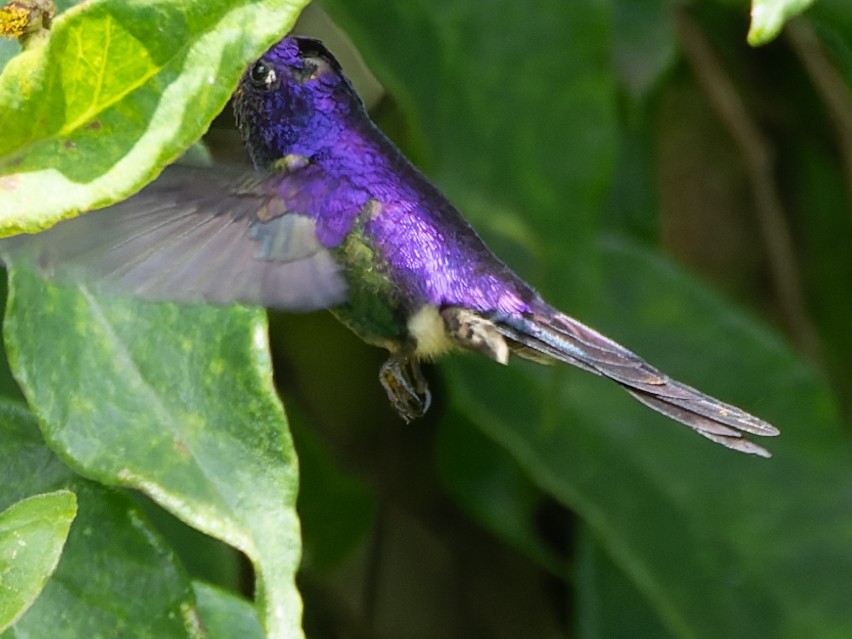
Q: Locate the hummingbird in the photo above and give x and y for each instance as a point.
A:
(335, 217)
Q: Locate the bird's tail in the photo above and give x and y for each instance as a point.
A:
(554, 336)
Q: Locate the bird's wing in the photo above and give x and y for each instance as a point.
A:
(202, 235)
(558, 337)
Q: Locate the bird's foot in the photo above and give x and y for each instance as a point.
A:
(405, 385)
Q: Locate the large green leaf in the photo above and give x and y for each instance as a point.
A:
(696, 527)
(32, 534)
(115, 577)
(176, 401)
(487, 480)
(120, 89)
(608, 605)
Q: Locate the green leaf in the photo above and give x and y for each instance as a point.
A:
(120, 89)
(32, 534)
(175, 401)
(488, 482)
(225, 615)
(115, 577)
(138, 589)
(769, 16)
(204, 558)
(827, 269)
(687, 521)
(643, 43)
(608, 605)
(28, 467)
(336, 511)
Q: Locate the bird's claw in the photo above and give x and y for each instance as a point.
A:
(406, 387)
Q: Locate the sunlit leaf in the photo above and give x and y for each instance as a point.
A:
(175, 401)
(120, 89)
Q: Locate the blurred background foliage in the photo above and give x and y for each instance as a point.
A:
(685, 193)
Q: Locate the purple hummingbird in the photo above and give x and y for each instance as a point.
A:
(335, 217)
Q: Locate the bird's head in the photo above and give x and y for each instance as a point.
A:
(293, 100)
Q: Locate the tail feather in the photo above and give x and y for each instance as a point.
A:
(558, 337)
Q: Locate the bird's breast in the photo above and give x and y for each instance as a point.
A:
(373, 307)
(428, 330)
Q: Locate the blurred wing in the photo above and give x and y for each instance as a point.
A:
(558, 337)
(199, 235)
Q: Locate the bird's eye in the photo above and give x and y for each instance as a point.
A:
(262, 76)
